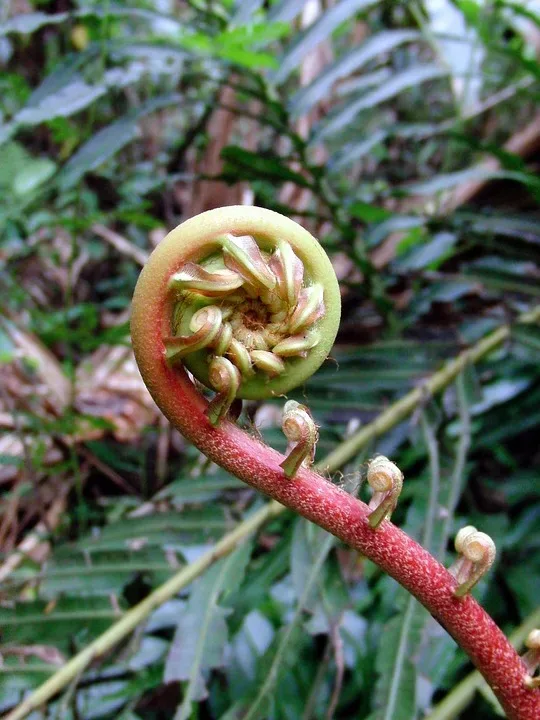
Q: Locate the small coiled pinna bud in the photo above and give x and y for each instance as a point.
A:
(225, 378)
(204, 326)
(476, 555)
(386, 480)
(301, 432)
(531, 659)
(237, 287)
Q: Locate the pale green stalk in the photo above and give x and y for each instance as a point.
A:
(401, 409)
(456, 481)
(434, 481)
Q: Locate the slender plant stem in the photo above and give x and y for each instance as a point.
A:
(456, 481)
(254, 712)
(404, 645)
(434, 481)
(401, 650)
(318, 682)
(184, 710)
(345, 452)
(462, 694)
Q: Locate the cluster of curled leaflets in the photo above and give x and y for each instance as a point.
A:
(247, 312)
(247, 301)
(244, 298)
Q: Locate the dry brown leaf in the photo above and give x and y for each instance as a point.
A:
(120, 243)
(55, 387)
(208, 194)
(48, 653)
(110, 387)
(523, 143)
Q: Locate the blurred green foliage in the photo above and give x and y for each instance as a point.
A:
(105, 120)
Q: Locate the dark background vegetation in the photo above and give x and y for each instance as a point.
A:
(405, 136)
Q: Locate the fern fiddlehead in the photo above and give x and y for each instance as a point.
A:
(244, 298)
(247, 301)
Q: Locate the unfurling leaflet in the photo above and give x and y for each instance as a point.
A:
(249, 316)
(300, 430)
(476, 553)
(531, 659)
(386, 481)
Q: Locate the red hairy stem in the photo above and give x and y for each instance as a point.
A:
(318, 500)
